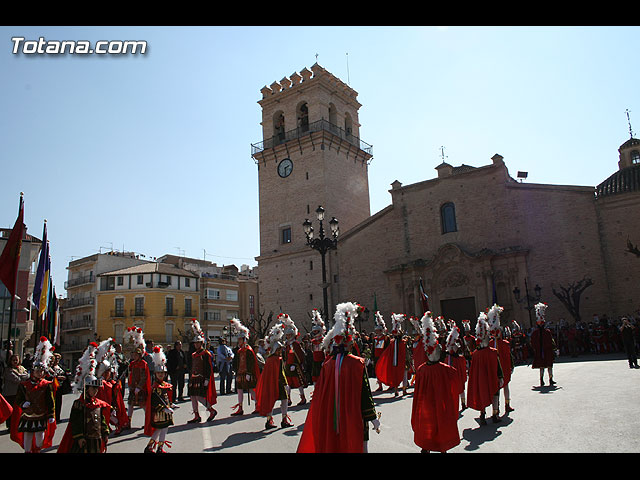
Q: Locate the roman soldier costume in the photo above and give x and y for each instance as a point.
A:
(139, 375)
(485, 373)
(33, 421)
(294, 358)
(542, 345)
(272, 384)
(111, 390)
(518, 343)
(318, 331)
(434, 412)
(201, 378)
(418, 354)
(342, 405)
(391, 368)
(245, 365)
(159, 411)
(88, 427)
(380, 343)
(454, 358)
(504, 352)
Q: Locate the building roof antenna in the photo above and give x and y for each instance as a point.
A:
(629, 122)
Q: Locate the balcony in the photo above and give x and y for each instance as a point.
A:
(317, 126)
(76, 282)
(78, 302)
(118, 314)
(138, 312)
(77, 324)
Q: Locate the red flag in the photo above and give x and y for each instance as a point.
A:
(10, 258)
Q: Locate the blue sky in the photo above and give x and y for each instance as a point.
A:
(151, 153)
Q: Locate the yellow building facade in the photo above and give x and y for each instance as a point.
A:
(161, 299)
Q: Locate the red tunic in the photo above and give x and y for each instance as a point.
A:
(483, 378)
(391, 365)
(434, 413)
(504, 353)
(419, 355)
(334, 422)
(34, 389)
(268, 390)
(67, 439)
(542, 346)
(139, 377)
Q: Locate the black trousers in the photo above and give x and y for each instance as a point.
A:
(177, 381)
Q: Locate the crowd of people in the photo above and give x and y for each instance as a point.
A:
(431, 356)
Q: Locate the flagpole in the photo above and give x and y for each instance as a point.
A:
(13, 295)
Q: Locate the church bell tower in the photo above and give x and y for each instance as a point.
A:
(311, 154)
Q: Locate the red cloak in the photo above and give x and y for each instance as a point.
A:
(268, 387)
(504, 353)
(17, 436)
(144, 366)
(67, 439)
(459, 363)
(419, 354)
(5, 409)
(483, 378)
(391, 364)
(334, 422)
(148, 411)
(111, 392)
(434, 413)
(542, 346)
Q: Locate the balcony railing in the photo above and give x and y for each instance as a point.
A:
(78, 302)
(118, 314)
(138, 312)
(317, 126)
(77, 324)
(74, 282)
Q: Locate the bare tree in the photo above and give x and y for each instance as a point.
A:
(631, 248)
(570, 296)
(260, 326)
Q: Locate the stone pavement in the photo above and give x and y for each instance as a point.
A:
(592, 409)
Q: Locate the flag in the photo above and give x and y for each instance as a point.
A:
(375, 302)
(424, 298)
(52, 316)
(10, 258)
(42, 283)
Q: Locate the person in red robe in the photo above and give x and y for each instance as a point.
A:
(110, 390)
(159, 411)
(485, 374)
(434, 411)
(342, 405)
(391, 368)
(201, 388)
(454, 358)
(318, 331)
(272, 384)
(543, 346)
(418, 355)
(88, 427)
(33, 421)
(504, 352)
(294, 358)
(380, 343)
(245, 366)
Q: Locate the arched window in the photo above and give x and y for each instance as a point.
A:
(635, 157)
(448, 218)
(278, 126)
(303, 117)
(348, 124)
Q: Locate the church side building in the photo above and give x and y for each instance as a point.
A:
(474, 235)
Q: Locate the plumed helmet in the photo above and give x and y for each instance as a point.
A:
(380, 325)
(43, 354)
(289, 325)
(159, 359)
(482, 329)
(493, 318)
(197, 335)
(540, 312)
(241, 330)
(396, 322)
(343, 327)
(275, 337)
(430, 337)
(318, 326)
(86, 369)
(135, 335)
(452, 339)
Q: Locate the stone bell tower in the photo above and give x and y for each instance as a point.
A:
(311, 154)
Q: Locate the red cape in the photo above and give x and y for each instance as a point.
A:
(388, 373)
(542, 358)
(67, 439)
(111, 392)
(148, 413)
(419, 355)
(434, 413)
(483, 378)
(459, 363)
(17, 436)
(504, 352)
(328, 429)
(256, 369)
(267, 389)
(5, 409)
(142, 364)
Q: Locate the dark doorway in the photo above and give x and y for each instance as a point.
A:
(459, 309)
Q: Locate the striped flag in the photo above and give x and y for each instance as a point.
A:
(43, 276)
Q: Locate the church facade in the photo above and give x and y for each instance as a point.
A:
(470, 236)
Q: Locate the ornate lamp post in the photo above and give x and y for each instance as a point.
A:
(322, 244)
(531, 301)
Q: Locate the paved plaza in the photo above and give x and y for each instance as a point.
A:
(592, 409)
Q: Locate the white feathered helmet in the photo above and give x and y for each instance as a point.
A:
(196, 331)
(540, 311)
(159, 359)
(136, 335)
(380, 325)
(289, 325)
(452, 339)
(43, 354)
(86, 369)
(430, 337)
(241, 330)
(318, 327)
(274, 338)
(343, 328)
(396, 322)
(493, 316)
(416, 323)
(105, 356)
(482, 330)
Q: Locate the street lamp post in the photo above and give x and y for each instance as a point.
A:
(322, 244)
(528, 298)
